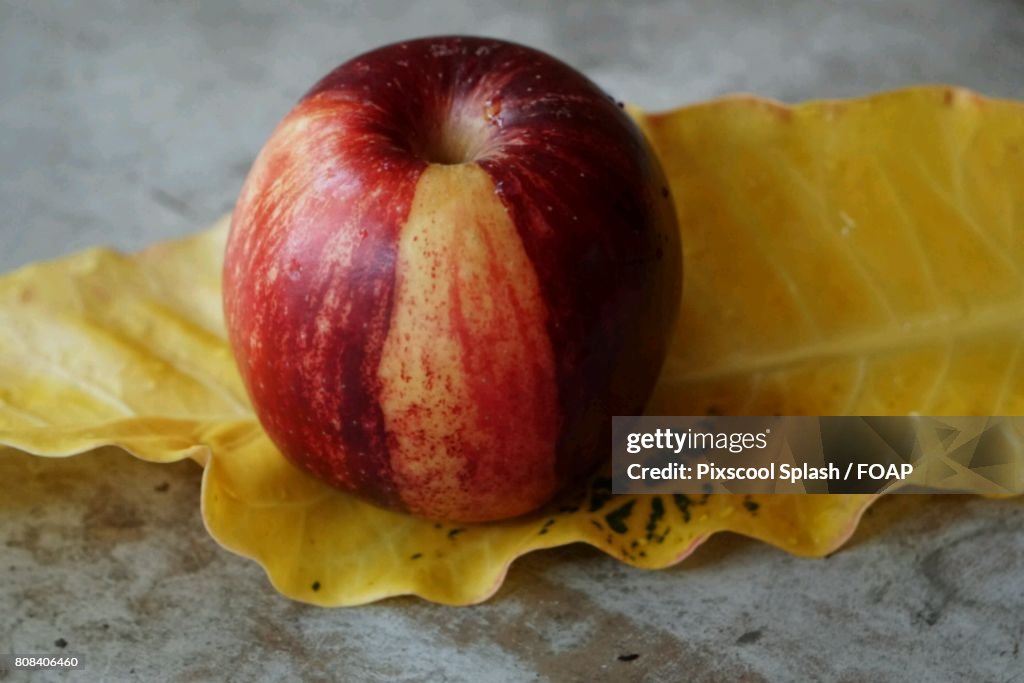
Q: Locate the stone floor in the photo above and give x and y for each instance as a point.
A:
(126, 122)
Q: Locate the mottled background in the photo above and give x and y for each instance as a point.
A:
(126, 122)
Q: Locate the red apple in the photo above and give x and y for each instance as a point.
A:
(454, 260)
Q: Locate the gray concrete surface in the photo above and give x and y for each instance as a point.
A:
(126, 122)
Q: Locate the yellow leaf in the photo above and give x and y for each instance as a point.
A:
(102, 348)
(848, 258)
(857, 257)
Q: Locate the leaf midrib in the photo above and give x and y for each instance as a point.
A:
(929, 332)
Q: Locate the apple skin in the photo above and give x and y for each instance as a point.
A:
(453, 261)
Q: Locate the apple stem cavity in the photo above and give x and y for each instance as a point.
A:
(461, 136)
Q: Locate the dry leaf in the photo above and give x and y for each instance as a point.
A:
(857, 257)
(848, 258)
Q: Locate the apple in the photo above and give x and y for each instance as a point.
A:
(452, 262)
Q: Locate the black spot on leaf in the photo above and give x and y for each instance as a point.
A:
(617, 518)
(657, 512)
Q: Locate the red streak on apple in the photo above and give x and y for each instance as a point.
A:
(454, 260)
